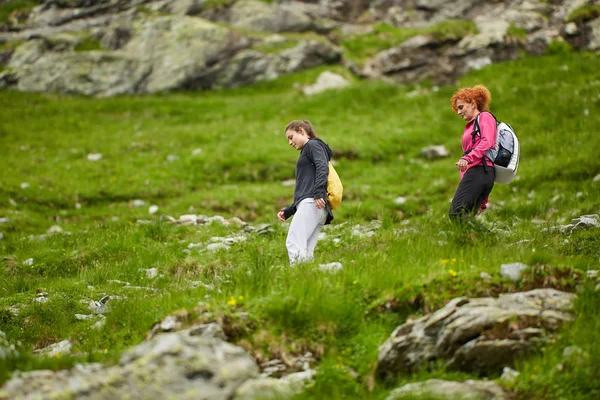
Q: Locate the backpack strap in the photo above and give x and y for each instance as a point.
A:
(477, 132)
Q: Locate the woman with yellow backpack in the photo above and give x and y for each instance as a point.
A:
(313, 203)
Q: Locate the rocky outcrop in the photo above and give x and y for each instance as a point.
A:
(184, 364)
(146, 46)
(437, 388)
(477, 335)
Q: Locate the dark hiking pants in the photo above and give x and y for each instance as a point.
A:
(475, 186)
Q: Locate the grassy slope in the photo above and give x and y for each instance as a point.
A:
(376, 131)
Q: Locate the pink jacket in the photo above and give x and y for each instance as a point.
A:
(487, 140)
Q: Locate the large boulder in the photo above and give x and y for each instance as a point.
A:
(170, 365)
(34, 69)
(180, 50)
(250, 66)
(480, 335)
(441, 389)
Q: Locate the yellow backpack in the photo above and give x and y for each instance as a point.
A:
(334, 188)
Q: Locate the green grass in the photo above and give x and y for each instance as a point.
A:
(584, 13)
(88, 44)
(10, 6)
(416, 261)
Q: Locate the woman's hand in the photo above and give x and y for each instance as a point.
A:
(462, 164)
(280, 216)
(320, 203)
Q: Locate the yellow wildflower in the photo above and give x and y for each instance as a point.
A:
(231, 302)
(452, 272)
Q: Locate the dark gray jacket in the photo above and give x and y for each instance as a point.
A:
(312, 171)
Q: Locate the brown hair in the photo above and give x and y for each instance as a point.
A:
(295, 126)
(478, 93)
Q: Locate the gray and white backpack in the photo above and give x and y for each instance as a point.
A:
(506, 151)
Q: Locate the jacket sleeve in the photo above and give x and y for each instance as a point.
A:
(318, 156)
(487, 127)
(289, 211)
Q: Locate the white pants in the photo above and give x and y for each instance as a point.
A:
(304, 231)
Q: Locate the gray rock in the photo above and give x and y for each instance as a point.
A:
(509, 374)
(271, 388)
(477, 335)
(513, 271)
(63, 347)
(170, 365)
(435, 152)
(437, 388)
(326, 81)
(212, 330)
(331, 267)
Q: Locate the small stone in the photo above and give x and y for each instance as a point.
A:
(55, 229)
(170, 323)
(84, 317)
(94, 156)
(172, 158)
(571, 28)
(217, 246)
(187, 219)
(434, 152)
(400, 200)
(513, 271)
(56, 349)
(196, 152)
(151, 273)
(28, 262)
(138, 203)
(24, 185)
(509, 374)
(153, 209)
(331, 267)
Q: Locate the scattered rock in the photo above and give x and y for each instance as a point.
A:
(151, 273)
(326, 81)
(480, 335)
(331, 267)
(153, 209)
(94, 156)
(55, 229)
(435, 152)
(509, 374)
(585, 221)
(56, 349)
(138, 203)
(437, 388)
(271, 388)
(513, 271)
(400, 200)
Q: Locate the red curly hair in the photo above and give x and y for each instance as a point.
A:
(478, 93)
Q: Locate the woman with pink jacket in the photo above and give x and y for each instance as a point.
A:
(476, 171)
